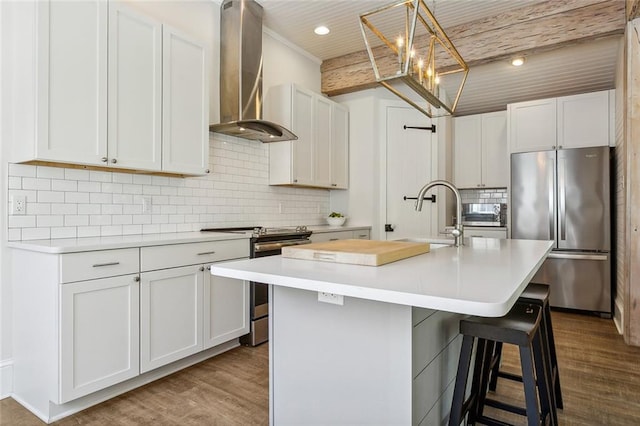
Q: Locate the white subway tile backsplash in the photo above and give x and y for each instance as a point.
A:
(22, 170)
(22, 221)
(88, 231)
(86, 209)
(76, 174)
(36, 233)
(50, 197)
(64, 232)
(76, 197)
(49, 221)
(100, 198)
(64, 185)
(76, 220)
(97, 176)
(49, 172)
(36, 183)
(89, 186)
(95, 203)
(99, 219)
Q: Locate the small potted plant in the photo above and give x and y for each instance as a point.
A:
(336, 219)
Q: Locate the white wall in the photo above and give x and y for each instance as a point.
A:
(236, 193)
(361, 201)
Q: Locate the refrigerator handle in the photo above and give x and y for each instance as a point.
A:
(554, 255)
(562, 211)
(551, 183)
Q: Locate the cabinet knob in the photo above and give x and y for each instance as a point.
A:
(553, 147)
(295, 180)
(136, 278)
(202, 268)
(559, 146)
(114, 161)
(334, 184)
(209, 268)
(207, 171)
(104, 159)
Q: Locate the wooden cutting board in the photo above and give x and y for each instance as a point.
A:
(357, 252)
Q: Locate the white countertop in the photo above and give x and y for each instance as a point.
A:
(484, 277)
(74, 245)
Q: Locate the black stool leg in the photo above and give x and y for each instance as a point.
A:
(495, 367)
(457, 405)
(533, 413)
(543, 376)
(487, 358)
(555, 371)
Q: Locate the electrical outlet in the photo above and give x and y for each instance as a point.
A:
(336, 299)
(18, 204)
(146, 204)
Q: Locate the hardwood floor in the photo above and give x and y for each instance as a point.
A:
(600, 380)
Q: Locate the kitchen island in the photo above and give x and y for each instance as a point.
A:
(388, 353)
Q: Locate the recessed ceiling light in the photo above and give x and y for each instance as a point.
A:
(321, 30)
(516, 62)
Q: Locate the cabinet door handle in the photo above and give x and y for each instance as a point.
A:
(201, 268)
(209, 268)
(104, 159)
(334, 184)
(136, 279)
(295, 180)
(204, 253)
(98, 265)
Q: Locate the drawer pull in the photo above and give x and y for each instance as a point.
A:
(98, 265)
(206, 252)
(363, 236)
(334, 239)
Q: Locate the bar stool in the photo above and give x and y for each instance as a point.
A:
(536, 294)
(521, 327)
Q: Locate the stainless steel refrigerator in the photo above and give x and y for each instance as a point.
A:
(564, 196)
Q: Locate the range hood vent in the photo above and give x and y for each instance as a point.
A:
(241, 75)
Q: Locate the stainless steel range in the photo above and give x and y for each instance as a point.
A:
(265, 242)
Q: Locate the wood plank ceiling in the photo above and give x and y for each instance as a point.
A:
(570, 46)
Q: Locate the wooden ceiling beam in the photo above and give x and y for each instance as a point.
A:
(524, 31)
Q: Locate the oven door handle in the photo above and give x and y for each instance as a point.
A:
(277, 245)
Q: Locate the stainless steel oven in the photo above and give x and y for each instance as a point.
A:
(265, 242)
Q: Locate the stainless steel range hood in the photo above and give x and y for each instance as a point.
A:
(241, 75)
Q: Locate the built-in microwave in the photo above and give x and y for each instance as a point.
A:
(493, 214)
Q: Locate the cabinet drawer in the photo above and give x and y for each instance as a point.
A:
(91, 265)
(169, 256)
(362, 234)
(331, 236)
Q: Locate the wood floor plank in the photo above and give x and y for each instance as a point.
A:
(600, 378)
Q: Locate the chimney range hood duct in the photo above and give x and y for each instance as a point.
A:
(241, 75)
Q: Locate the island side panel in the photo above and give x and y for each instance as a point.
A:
(436, 350)
(332, 364)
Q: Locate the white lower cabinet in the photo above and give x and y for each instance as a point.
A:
(170, 315)
(98, 334)
(90, 320)
(226, 309)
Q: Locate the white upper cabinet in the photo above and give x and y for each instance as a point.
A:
(481, 155)
(532, 125)
(319, 157)
(185, 104)
(89, 88)
(135, 90)
(60, 80)
(584, 120)
(567, 122)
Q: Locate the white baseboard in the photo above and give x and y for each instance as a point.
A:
(6, 378)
